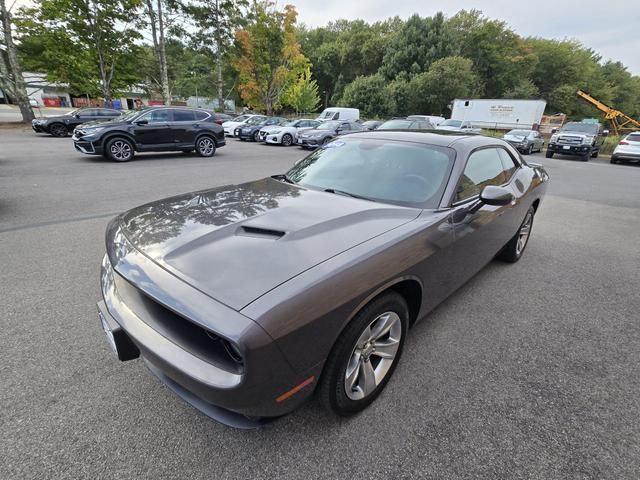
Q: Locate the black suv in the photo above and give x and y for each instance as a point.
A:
(577, 138)
(62, 125)
(155, 129)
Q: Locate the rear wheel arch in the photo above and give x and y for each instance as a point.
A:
(211, 135)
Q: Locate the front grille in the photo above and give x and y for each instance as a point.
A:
(191, 337)
(569, 140)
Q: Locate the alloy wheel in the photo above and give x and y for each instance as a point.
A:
(523, 234)
(120, 150)
(206, 146)
(58, 130)
(287, 140)
(373, 355)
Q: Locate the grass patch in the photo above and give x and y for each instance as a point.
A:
(609, 145)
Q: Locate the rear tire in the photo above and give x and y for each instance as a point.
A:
(205, 146)
(613, 160)
(119, 149)
(548, 154)
(365, 355)
(513, 250)
(595, 154)
(58, 130)
(256, 137)
(529, 150)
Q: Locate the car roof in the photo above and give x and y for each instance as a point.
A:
(441, 138)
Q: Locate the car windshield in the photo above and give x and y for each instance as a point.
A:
(257, 120)
(451, 123)
(408, 174)
(126, 116)
(332, 125)
(395, 124)
(73, 112)
(327, 114)
(591, 128)
(519, 133)
(292, 124)
(240, 118)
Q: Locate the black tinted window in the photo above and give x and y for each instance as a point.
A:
(106, 112)
(200, 115)
(89, 112)
(484, 167)
(156, 116)
(183, 116)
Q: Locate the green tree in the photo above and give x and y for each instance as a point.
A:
(11, 79)
(270, 58)
(525, 89)
(216, 22)
(417, 44)
(368, 94)
(500, 57)
(302, 95)
(96, 36)
(447, 79)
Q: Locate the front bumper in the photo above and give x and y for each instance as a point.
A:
(518, 145)
(240, 134)
(308, 142)
(569, 149)
(86, 145)
(252, 391)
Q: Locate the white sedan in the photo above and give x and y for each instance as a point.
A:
(230, 125)
(286, 134)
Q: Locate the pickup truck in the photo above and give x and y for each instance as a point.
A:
(577, 138)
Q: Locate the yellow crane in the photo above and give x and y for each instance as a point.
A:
(619, 121)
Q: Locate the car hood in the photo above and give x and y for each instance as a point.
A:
(314, 131)
(236, 243)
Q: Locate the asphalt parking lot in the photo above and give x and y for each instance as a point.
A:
(529, 371)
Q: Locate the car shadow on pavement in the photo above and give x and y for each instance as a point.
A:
(149, 157)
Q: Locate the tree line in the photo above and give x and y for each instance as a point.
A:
(260, 55)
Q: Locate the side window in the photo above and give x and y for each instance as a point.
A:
(157, 116)
(89, 112)
(336, 116)
(484, 167)
(508, 164)
(200, 115)
(183, 116)
(345, 127)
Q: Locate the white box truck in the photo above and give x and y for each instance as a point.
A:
(499, 113)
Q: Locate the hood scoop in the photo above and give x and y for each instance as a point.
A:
(260, 232)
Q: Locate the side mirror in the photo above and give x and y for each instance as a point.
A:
(497, 196)
(605, 133)
(142, 122)
(554, 130)
(77, 115)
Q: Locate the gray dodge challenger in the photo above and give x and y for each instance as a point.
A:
(247, 299)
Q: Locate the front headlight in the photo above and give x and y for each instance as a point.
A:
(90, 130)
(554, 138)
(587, 140)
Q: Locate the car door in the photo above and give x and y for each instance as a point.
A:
(480, 230)
(183, 127)
(152, 130)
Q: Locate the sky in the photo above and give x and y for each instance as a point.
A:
(608, 27)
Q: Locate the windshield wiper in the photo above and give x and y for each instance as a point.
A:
(348, 194)
(283, 177)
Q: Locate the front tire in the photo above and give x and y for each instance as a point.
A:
(512, 251)
(365, 355)
(529, 150)
(548, 154)
(205, 146)
(287, 140)
(119, 150)
(595, 154)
